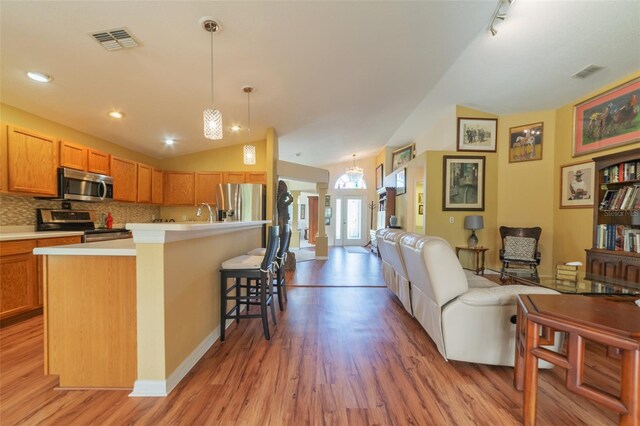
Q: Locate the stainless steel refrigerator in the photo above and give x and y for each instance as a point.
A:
(241, 202)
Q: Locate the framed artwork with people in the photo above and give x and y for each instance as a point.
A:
(577, 185)
(525, 143)
(477, 134)
(607, 120)
(463, 181)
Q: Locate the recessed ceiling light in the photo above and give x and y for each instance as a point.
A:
(169, 141)
(38, 76)
(116, 114)
(235, 128)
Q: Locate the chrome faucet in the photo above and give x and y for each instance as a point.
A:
(199, 212)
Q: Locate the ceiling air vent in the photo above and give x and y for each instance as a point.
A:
(115, 39)
(587, 71)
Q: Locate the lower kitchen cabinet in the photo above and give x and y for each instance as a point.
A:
(21, 294)
(18, 278)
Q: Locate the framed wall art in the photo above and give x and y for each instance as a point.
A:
(463, 181)
(302, 211)
(401, 182)
(402, 156)
(577, 185)
(477, 134)
(525, 143)
(379, 176)
(607, 120)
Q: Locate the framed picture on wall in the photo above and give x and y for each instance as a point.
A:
(525, 143)
(463, 181)
(477, 134)
(607, 120)
(379, 176)
(302, 211)
(402, 156)
(401, 182)
(420, 209)
(577, 185)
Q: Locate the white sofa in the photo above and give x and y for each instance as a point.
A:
(467, 316)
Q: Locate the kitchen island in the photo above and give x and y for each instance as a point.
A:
(139, 312)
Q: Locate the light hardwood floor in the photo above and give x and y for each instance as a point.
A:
(337, 356)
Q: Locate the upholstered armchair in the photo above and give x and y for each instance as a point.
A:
(520, 247)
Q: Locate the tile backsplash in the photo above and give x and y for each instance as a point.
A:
(22, 210)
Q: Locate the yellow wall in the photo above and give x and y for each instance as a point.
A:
(20, 118)
(573, 227)
(526, 188)
(224, 159)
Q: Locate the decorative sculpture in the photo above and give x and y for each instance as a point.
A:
(283, 200)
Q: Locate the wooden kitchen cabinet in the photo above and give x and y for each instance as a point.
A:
(125, 176)
(73, 156)
(206, 185)
(179, 189)
(50, 242)
(256, 177)
(157, 186)
(18, 292)
(144, 183)
(233, 177)
(32, 162)
(98, 162)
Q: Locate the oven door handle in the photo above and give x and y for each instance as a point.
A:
(104, 193)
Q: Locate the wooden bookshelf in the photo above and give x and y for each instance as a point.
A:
(615, 251)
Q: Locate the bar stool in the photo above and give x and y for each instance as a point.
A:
(257, 288)
(279, 279)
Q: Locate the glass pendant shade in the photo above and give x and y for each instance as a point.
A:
(249, 154)
(212, 124)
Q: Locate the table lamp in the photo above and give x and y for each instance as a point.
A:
(473, 223)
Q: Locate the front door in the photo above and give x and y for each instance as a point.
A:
(350, 221)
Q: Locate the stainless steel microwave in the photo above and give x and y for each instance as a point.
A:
(82, 186)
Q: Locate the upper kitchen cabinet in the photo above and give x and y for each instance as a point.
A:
(73, 156)
(32, 160)
(157, 186)
(206, 184)
(233, 177)
(179, 189)
(144, 183)
(256, 177)
(98, 162)
(125, 177)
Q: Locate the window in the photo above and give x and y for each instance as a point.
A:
(344, 182)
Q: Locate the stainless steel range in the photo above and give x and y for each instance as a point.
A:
(77, 220)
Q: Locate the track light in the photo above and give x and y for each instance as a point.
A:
(500, 14)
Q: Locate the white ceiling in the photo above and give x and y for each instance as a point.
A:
(332, 78)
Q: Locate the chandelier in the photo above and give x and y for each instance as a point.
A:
(249, 150)
(212, 117)
(354, 173)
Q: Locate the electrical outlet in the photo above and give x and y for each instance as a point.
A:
(184, 217)
(451, 220)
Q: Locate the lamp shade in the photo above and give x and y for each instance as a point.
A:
(473, 222)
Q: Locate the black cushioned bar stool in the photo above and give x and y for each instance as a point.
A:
(256, 289)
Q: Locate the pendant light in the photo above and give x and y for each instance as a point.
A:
(212, 117)
(354, 172)
(249, 150)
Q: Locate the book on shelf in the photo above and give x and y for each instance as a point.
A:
(622, 172)
(618, 237)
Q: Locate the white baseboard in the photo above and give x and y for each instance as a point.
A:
(322, 257)
(155, 388)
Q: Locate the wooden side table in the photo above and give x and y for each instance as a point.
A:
(478, 253)
(615, 324)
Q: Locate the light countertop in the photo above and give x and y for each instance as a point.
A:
(32, 235)
(152, 233)
(124, 247)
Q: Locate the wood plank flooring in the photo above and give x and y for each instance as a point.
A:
(338, 356)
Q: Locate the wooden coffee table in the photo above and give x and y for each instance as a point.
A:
(613, 321)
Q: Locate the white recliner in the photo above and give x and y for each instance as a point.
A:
(467, 322)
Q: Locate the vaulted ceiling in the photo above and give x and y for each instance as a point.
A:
(333, 78)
